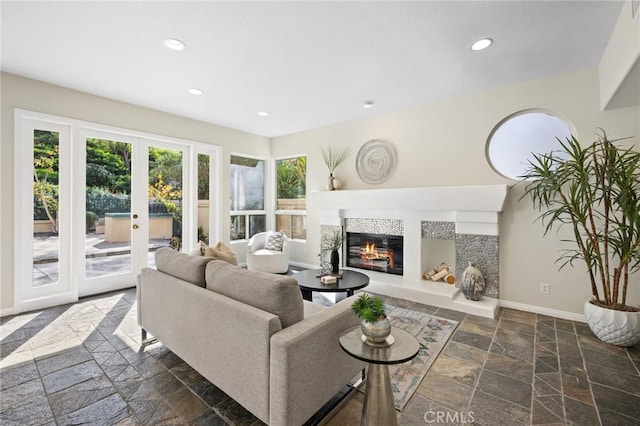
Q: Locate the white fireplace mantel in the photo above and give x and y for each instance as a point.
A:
(474, 210)
(480, 198)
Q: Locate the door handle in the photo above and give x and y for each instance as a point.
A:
(135, 226)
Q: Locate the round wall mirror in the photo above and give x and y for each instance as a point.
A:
(513, 141)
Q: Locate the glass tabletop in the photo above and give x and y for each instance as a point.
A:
(404, 347)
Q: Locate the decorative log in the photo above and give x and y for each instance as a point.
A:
(450, 279)
(440, 275)
(428, 275)
(441, 267)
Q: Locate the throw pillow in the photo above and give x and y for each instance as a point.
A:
(222, 252)
(275, 241)
(198, 250)
(181, 265)
(277, 294)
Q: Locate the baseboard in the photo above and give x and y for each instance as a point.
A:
(40, 303)
(7, 311)
(543, 311)
(304, 265)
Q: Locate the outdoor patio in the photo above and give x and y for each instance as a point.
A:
(102, 257)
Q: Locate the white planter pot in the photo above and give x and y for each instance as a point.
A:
(616, 327)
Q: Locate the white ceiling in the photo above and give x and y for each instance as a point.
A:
(309, 64)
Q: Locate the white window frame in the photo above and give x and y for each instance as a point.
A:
(274, 187)
(269, 219)
(27, 297)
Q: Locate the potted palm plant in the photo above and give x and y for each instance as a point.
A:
(595, 190)
(333, 158)
(375, 325)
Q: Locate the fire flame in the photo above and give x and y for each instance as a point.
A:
(370, 252)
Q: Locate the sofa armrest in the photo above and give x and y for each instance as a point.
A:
(256, 242)
(308, 366)
(225, 340)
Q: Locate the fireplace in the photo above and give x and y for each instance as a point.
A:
(375, 252)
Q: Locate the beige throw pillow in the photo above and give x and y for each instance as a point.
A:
(181, 265)
(222, 252)
(198, 250)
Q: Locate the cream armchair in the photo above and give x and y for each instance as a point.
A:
(261, 259)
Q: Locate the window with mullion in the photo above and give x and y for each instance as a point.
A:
(291, 190)
(248, 215)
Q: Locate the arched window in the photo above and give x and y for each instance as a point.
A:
(511, 143)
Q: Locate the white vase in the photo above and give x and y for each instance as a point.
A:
(337, 184)
(619, 328)
(330, 182)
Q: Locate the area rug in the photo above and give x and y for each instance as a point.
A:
(432, 333)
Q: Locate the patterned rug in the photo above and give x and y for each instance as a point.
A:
(432, 333)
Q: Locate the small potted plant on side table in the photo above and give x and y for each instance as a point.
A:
(375, 324)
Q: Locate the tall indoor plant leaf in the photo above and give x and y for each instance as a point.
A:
(595, 191)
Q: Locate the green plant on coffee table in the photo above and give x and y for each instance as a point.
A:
(368, 308)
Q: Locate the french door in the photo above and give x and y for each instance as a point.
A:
(101, 203)
(127, 213)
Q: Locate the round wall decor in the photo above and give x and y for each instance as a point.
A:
(375, 161)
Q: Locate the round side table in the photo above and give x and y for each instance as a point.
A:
(379, 407)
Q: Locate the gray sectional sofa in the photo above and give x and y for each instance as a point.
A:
(249, 333)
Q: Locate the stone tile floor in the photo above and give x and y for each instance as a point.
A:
(82, 363)
(520, 369)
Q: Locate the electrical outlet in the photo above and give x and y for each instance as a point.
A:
(545, 288)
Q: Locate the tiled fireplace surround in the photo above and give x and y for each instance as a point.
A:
(450, 224)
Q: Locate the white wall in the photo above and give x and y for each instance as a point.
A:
(443, 144)
(620, 63)
(19, 92)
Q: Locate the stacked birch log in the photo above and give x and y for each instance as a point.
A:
(441, 272)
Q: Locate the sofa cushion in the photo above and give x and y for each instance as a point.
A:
(275, 241)
(222, 252)
(276, 294)
(181, 265)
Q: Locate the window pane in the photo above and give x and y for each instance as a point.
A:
(247, 183)
(165, 196)
(204, 161)
(291, 176)
(238, 226)
(203, 176)
(108, 208)
(46, 246)
(257, 223)
(295, 226)
(513, 141)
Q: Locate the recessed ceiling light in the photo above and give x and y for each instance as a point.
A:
(263, 114)
(368, 103)
(196, 91)
(174, 44)
(482, 44)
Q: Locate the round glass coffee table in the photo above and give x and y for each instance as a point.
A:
(310, 282)
(378, 407)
